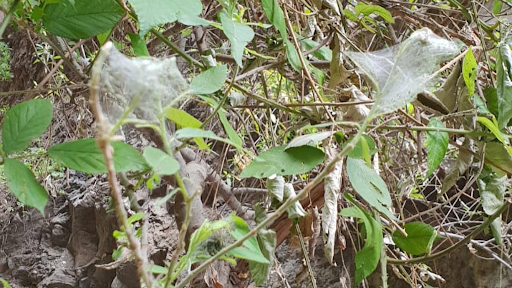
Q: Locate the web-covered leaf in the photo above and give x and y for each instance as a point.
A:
(146, 83)
(400, 72)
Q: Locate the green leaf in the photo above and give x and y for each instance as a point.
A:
(277, 160)
(24, 122)
(238, 34)
(492, 193)
(187, 133)
(139, 45)
(86, 19)
(399, 74)
(275, 187)
(85, 156)
(437, 144)
(493, 127)
(247, 254)
(275, 15)
(469, 72)
(498, 155)
(251, 250)
(359, 149)
(368, 184)
(419, 240)
(183, 119)
(261, 271)
(367, 259)
(233, 136)
(504, 85)
(24, 185)
(496, 6)
(157, 12)
(4, 283)
(210, 80)
(161, 162)
(491, 97)
(308, 139)
(136, 217)
(293, 56)
(324, 53)
(366, 10)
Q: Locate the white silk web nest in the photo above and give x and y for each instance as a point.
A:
(400, 72)
(147, 83)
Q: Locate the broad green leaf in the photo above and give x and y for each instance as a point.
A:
(504, 84)
(161, 162)
(419, 240)
(497, 155)
(437, 144)
(86, 19)
(275, 15)
(251, 250)
(277, 160)
(308, 139)
(24, 185)
(493, 127)
(293, 56)
(469, 72)
(496, 6)
(84, 155)
(233, 136)
(240, 229)
(367, 259)
(400, 73)
(24, 122)
(324, 53)
(187, 133)
(247, 254)
(183, 119)
(210, 80)
(367, 9)
(492, 192)
(139, 45)
(238, 34)
(368, 184)
(359, 150)
(157, 12)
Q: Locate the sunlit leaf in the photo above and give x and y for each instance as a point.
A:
(469, 72)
